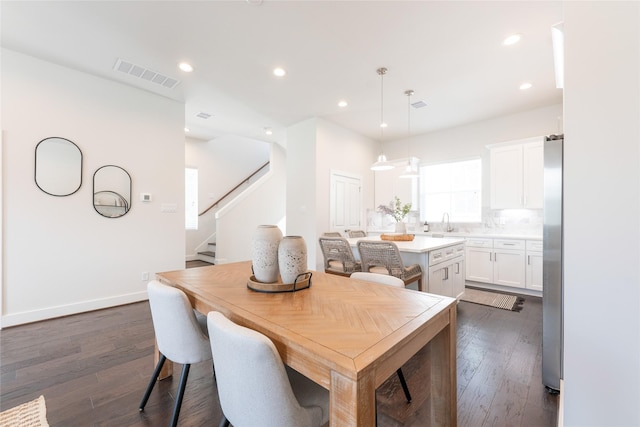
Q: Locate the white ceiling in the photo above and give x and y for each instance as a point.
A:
(448, 52)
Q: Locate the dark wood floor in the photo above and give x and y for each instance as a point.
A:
(93, 368)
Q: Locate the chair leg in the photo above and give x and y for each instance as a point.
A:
(403, 383)
(152, 382)
(181, 388)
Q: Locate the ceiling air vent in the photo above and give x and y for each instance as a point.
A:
(419, 104)
(203, 115)
(145, 74)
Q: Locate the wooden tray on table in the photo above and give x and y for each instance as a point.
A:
(398, 237)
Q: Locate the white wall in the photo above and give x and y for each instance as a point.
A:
(316, 147)
(263, 203)
(602, 188)
(60, 256)
(302, 192)
(222, 164)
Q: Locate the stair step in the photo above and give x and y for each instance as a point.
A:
(207, 253)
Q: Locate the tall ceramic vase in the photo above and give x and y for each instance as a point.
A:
(264, 253)
(292, 258)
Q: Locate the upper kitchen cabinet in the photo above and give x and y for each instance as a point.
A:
(517, 174)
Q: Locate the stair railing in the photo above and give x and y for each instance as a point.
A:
(247, 179)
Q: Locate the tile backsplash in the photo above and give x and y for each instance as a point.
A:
(494, 221)
(507, 221)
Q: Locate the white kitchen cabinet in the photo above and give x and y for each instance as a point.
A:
(533, 174)
(479, 264)
(459, 275)
(499, 261)
(446, 271)
(447, 278)
(509, 268)
(516, 174)
(534, 265)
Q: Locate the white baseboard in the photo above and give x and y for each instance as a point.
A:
(8, 320)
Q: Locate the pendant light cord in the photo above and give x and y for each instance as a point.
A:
(382, 71)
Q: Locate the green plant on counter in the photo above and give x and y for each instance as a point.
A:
(396, 209)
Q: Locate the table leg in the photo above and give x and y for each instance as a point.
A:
(444, 400)
(352, 403)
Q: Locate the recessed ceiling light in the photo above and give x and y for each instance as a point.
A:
(187, 68)
(525, 86)
(280, 72)
(268, 131)
(383, 125)
(342, 104)
(512, 39)
(186, 129)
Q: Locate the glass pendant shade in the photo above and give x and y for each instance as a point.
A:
(382, 164)
(409, 171)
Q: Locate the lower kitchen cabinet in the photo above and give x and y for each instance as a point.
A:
(448, 278)
(496, 261)
(534, 265)
(479, 264)
(509, 268)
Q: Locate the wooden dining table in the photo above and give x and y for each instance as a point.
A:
(347, 335)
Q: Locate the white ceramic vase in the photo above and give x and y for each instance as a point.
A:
(264, 253)
(401, 227)
(292, 258)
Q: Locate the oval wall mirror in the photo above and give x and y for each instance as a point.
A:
(111, 191)
(58, 169)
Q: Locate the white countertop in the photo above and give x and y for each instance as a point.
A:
(420, 243)
(489, 234)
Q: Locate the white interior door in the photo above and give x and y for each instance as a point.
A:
(346, 202)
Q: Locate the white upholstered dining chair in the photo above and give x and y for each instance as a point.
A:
(180, 335)
(255, 387)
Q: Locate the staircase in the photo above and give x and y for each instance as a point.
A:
(209, 255)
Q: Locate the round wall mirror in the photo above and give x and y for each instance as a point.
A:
(111, 191)
(58, 169)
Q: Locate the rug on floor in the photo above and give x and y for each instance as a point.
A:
(30, 414)
(493, 299)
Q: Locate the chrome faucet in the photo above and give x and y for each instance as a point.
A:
(449, 228)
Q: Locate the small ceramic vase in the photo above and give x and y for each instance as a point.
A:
(264, 253)
(292, 258)
(401, 227)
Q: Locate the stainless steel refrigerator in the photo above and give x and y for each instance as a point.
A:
(552, 292)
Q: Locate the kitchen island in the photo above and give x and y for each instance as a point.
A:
(442, 261)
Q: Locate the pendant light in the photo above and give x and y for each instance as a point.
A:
(382, 164)
(410, 171)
